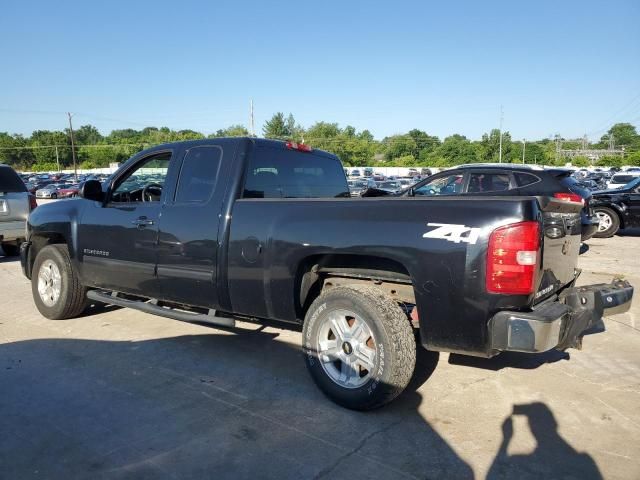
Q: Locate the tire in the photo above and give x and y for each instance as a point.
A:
(389, 348)
(10, 249)
(54, 195)
(609, 222)
(56, 289)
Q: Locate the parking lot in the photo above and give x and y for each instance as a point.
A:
(120, 393)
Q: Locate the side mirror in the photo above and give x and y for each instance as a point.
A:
(92, 190)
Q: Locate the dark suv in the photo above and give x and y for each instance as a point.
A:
(506, 179)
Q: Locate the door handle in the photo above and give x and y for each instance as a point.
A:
(142, 222)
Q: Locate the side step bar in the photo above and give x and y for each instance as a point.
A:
(154, 309)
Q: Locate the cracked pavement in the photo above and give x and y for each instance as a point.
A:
(122, 394)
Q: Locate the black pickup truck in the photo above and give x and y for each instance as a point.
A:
(217, 230)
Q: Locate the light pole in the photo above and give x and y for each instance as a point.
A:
(524, 146)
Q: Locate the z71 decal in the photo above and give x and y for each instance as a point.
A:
(453, 233)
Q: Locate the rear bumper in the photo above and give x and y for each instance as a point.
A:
(562, 323)
(13, 230)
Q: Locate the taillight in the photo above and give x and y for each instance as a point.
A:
(32, 202)
(512, 258)
(301, 147)
(569, 197)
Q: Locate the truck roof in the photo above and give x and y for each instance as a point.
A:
(263, 142)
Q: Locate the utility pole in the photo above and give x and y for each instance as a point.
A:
(57, 158)
(73, 149)
(524, 146)
(251, 125)
(501, 118)
(611, 141)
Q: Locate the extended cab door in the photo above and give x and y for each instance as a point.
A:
(188, 235)
(117, 239)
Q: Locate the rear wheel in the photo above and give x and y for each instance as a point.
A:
(10, 249)
(359, 346)
(57, 291)
(609, 222)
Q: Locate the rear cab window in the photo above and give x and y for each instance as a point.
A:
(10, 182)
(275, 172)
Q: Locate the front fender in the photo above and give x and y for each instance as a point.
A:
(55, 223)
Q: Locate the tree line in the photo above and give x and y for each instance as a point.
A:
(45, 150)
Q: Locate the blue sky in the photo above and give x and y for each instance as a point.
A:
(444, 67)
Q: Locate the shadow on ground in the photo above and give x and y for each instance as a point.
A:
(518, 360)
(218, 405)
(5, 259)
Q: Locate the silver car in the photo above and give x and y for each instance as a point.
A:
(50, 191)
(15, 205)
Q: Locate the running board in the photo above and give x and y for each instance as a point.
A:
(154, 309)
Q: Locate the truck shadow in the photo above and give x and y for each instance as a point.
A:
(221, 405)
(526, 361)
(228, 404)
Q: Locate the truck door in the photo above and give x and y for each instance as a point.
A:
(188, 236)
(117, 240)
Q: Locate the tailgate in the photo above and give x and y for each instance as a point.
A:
(14, 206)
(562, 230)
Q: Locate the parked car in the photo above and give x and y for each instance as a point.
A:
(618, 208)
(393, 186)
(49, 191)
(367, 172)
(265, 230)
(622, 179)
(68, 191)
(500, 179)
(359, 185)
(15, 205)
(355, 173)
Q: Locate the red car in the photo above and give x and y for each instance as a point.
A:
(68, 191)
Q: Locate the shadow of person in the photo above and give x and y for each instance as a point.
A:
(217, 404)
(553, 457)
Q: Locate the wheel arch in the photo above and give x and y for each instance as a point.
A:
(38, 241)
(313, 271)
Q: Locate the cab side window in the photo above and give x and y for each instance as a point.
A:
(144, 183)
(447, 185)
(198, 174)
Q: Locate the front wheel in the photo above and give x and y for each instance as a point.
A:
(56, 289)
(609, 222)
(359, 346)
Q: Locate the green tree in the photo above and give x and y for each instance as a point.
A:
(491, 146)
(232, 131)
(398, 146)
(624, 135)
(277, 127)
(456, 150)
